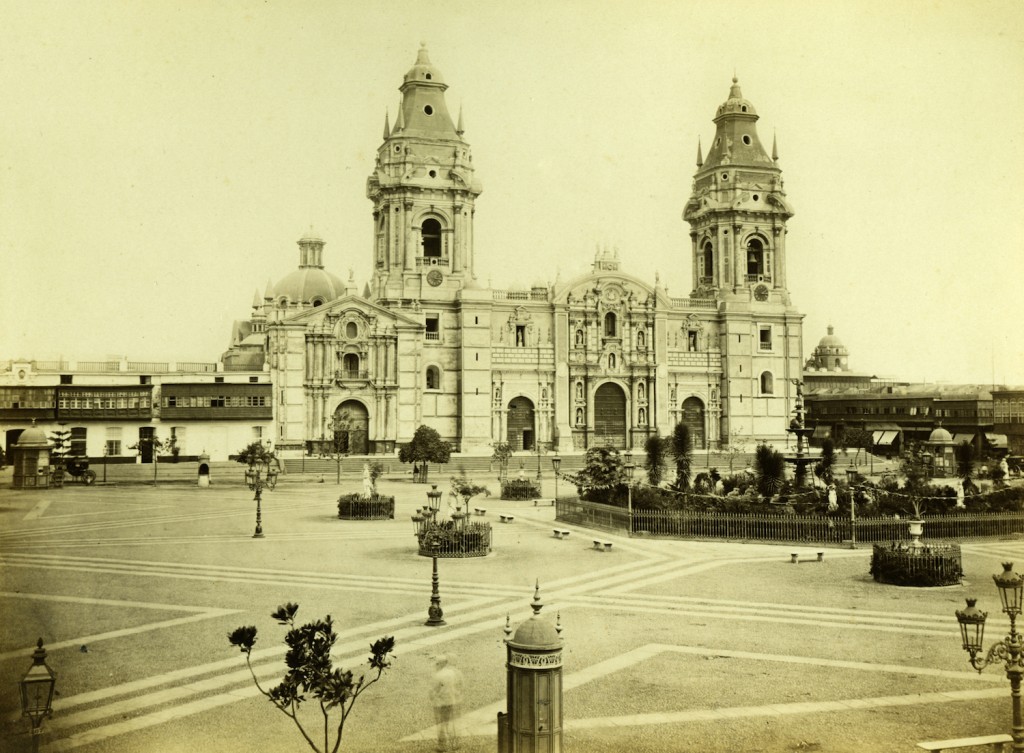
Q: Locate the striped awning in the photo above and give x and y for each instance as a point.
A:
(884, 437)
(997, 440)
(959, 439)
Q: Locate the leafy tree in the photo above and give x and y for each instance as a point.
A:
(914, 469)
(963, 453)
(825, 467)
(603, 476)
(769, 470)
(311, 673)
(654, 447)
(681, 451)
(256, 453)
(859, 439)
(464, 489)
(157, 447)
(502, 454)
(426, 447)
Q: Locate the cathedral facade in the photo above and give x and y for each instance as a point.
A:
(603, 359)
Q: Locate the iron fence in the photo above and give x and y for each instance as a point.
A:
(784, 527)
(446, 541)
(357, 507)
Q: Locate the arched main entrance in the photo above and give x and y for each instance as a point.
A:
(610, 416)
(693, 417)
(522, 429)
(351, 427)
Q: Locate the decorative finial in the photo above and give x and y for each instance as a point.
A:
(558, 624)
(537, 604)
(775, 148)
(700, 156)
(508, 626)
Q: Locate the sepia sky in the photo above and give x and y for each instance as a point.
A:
(159, 160)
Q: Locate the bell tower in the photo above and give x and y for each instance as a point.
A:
(738, 211)
(423, 191)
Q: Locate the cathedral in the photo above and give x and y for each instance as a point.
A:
(603, 359)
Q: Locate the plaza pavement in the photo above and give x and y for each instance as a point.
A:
(669, 645)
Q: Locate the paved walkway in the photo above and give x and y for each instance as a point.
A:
(134, 590)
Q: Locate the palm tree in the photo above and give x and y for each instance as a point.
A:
(770, 468)
(823, 469)
(654, 447)
(682, 451)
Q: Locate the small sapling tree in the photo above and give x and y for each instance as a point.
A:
(312, 676)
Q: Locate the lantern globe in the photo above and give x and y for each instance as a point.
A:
(556, 463)
(37, 686)
(972, 626)
(1011, 589)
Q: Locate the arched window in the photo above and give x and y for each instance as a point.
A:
(838, 363)
(767, 383)
(318, 302)
(609, 324)
(350, 365)
(351, 331)
(755, 257)
(430, 232)
(433, 378)
(707, 271)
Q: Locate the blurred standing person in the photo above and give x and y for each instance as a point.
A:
(446, 696)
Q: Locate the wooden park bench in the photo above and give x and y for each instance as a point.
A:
(605, 546)
(480, 510)
(795, 558)
(507, 518)
(996, 742)
(561, 533)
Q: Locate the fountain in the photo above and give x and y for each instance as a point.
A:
(802, 458)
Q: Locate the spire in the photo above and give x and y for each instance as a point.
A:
(775, 148)
(387, 127)
(399, 120)
(700, 157)
(256, 300)
(734, 90)
(269, 294)
(460, 129)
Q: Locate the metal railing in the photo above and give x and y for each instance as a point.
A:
(785, 528)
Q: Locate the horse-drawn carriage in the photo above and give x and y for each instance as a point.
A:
(75, 467)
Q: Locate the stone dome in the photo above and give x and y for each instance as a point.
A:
(830, 343)
(309, 284)
(536, 633)
(940, 436)
(32, 436)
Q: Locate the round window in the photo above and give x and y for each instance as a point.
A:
(746, 139)
(428, 109)
(433, 173)
(725, 176)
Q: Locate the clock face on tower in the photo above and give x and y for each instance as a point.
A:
(761, 293)
(434, 277)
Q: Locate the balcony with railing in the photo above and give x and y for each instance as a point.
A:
(426, 262)
(433, 336)
(759, 278)
(520, 295)
(351, 375)
(695, 303)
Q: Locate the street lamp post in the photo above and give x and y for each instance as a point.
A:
(630, 468)
(37, 693)
(261, 474)
(556, 463)
(851, 474)
(1009, 651)
(432, 540)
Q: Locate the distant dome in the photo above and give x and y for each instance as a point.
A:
(33, 435)
(940, 436)
(537, 633)
(309, 284)
(831, 342)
